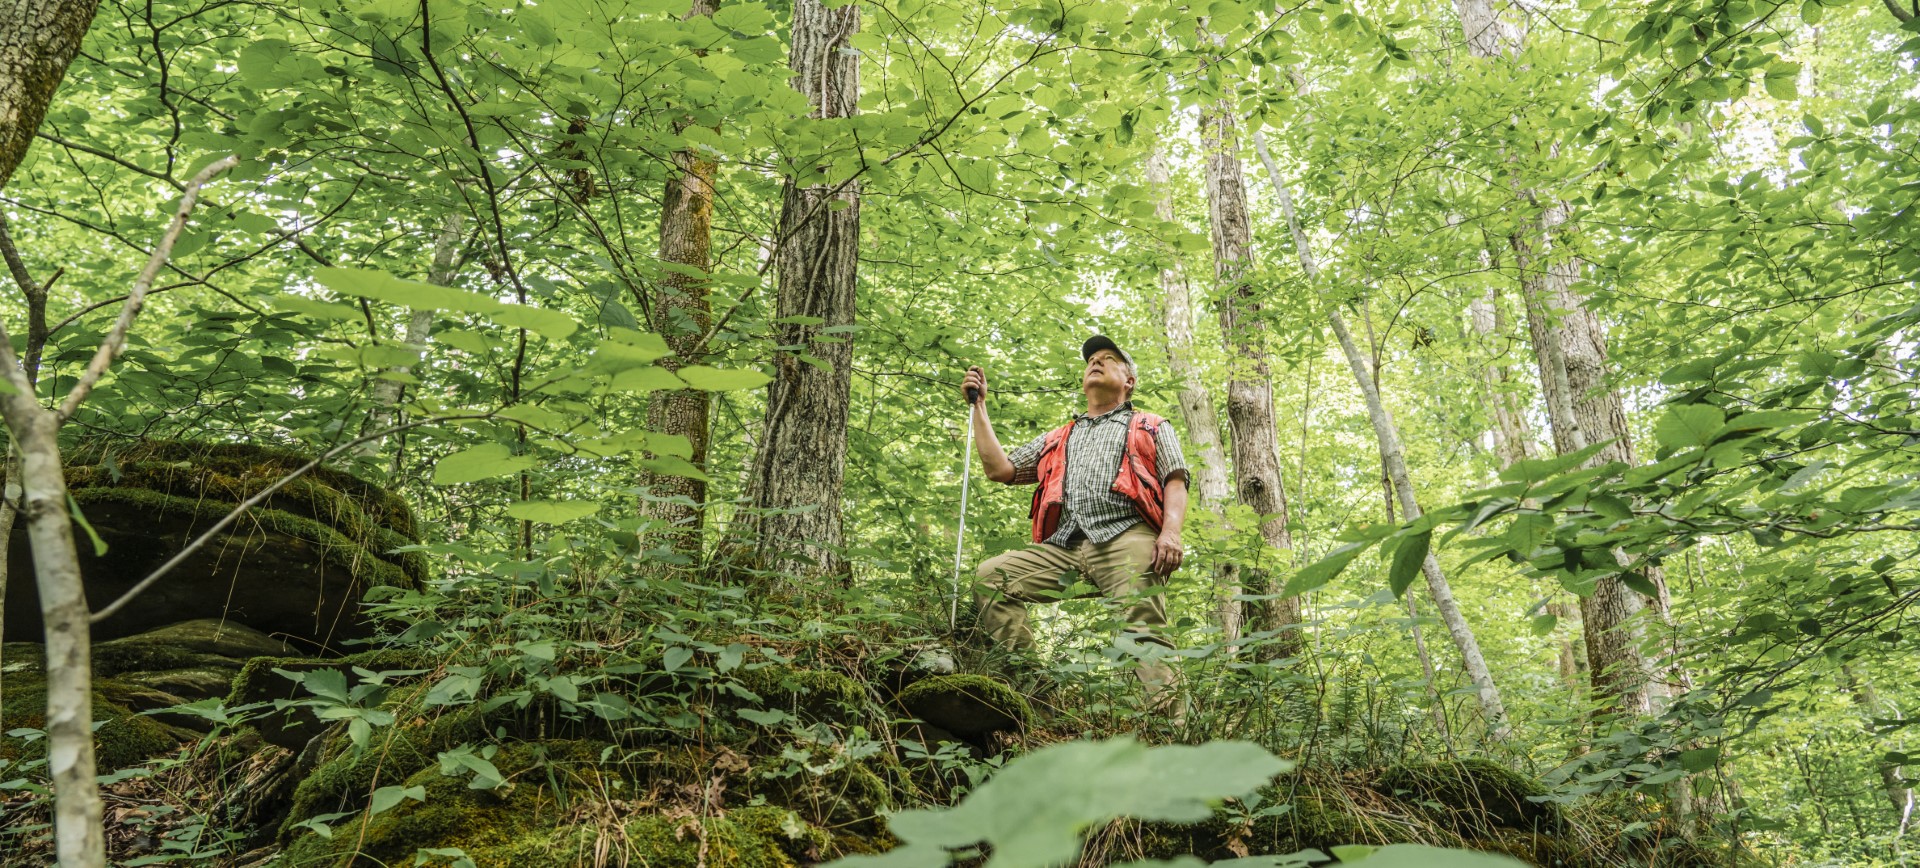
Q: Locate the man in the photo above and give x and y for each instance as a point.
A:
(1111, 502)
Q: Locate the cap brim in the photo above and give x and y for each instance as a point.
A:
(1102, 342)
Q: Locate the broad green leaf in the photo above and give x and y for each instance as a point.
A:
(1407, 561)
(1322, 571)
(552, 511)
(381, 286)
(1033, 812)
(1688, 426)
(646, 379)
(1539, 470)
(485, 461)
(385, 798)
(718, 380)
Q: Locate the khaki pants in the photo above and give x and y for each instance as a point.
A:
(1119, 568)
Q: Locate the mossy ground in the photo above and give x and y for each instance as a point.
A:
(563, 803)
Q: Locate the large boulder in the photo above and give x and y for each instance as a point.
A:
(295, 566)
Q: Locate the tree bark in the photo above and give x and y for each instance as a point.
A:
(801, 462)
(38, 40)
(1256, 460)
(1175, 306)
(681, 314)
(1393, 459)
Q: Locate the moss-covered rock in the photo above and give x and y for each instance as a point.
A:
(561, 804)
(1475, 797)
(296, 565)
(124, 739)
(260, 681)
(970, 706)
(345, 777)
(811, 694)
(204, 643)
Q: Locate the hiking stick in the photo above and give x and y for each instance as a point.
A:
(960, 538)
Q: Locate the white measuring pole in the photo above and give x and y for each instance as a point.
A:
(960, 538)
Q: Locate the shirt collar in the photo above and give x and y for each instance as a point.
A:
(1125, 406)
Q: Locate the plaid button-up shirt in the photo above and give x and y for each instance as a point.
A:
(1094, 451)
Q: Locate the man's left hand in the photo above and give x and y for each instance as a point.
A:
(1167, 554)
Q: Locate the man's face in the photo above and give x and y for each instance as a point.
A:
(1106, 369)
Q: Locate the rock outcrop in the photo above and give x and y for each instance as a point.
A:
(295, 567)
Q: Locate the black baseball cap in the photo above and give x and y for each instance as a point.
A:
(1102, 342)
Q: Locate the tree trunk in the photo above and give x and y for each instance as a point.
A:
(386, 393)
(1256, 461)
(1393, 459)
(802, 457)
(1175, 307)
(1899, 793)
(38, 39)
(681, 314)
(1512, 434)
(1583, 409)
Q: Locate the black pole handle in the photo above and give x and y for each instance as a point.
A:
(973, 395)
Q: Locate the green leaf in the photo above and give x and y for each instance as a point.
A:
(1543, 624)
(1033, 812)
(1699, 759)
(80, 518)
(1423, 856)
(1783, 81)
(718, 380)
(386, 797)
(676, 657)
(485, 461)
(1407, 560)
(1538, 470)
(1688, 426)
(768, 717)
(646, 379)
(1322, 571)
(381, 286)
(552, 511)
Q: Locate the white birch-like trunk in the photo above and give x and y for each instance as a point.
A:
(1175, 306)
(1393, 458)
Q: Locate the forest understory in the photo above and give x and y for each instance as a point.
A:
(534, 433)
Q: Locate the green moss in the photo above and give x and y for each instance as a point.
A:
(206, 643)
(1474, 797)
(257, 464)
(553, 812)
(967, 705)
(124, 740)
(345, 777)
(335, 548)
(816, 694)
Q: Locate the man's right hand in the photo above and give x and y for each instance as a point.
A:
(975, 380)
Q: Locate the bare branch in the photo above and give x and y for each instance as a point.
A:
(117, 337)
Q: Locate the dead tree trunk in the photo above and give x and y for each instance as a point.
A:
(38, 40)
(1393, 458)
(1256, 461)
(1175, 306)
(681, 315)
(801, 464)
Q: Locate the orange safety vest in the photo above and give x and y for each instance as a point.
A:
(1138, 479)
